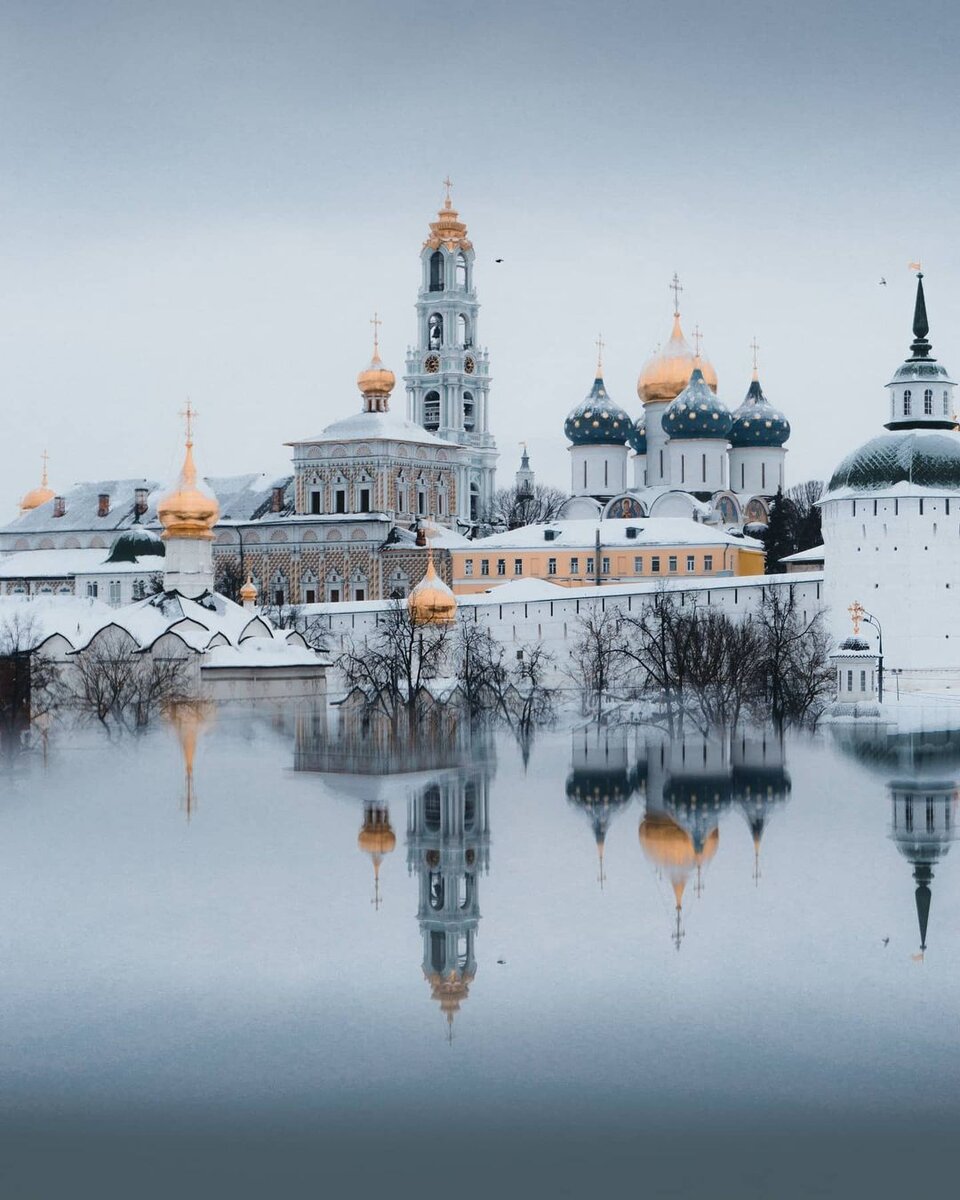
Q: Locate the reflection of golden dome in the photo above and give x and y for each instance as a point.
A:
(450, 990)
(189, 718)
(377, 836)
(667, 373)
(248, 593)
(188, 512)
(431, 602)
(670, 847)
(38, 495)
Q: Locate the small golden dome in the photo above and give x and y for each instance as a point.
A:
(187, 511)
(431, 602)
(376, 380)
(38, 495)
(376, 836)
(248, 593)
(450, 990)
(666, 374)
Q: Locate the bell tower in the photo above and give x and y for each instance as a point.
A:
(448, 371)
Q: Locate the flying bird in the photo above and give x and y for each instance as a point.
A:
(886, 941)
(498, 260)
(883, 282)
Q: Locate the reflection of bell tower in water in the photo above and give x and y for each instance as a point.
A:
(448, 372)
(448, 838)
(922, 827)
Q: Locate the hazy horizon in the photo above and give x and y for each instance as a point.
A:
(211, 202)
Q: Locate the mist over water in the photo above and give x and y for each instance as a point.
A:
(204, 988)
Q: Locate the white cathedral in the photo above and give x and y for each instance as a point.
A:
(691, 456)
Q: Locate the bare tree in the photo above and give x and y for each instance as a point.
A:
(31, 682)
(514, 506)
(795, 678)
(480, 670)
(229, 578)
(116, 681)
(392, 668)
(597, 655)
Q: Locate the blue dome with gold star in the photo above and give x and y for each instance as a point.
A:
(637, 438)
(756, 422)
(696, 412)
(597, 420)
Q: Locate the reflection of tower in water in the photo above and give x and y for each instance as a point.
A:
(601, 782)
(922, 827)
(377, 839)
(189, 718)
(448, 839)
(760, 783)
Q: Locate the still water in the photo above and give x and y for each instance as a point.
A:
(250, 953)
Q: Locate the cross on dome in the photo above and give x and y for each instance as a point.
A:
(697, 339)
(856, 611)
(448, 184)
(376, 323)
(676, 287)
(189, 414)
(599, 343)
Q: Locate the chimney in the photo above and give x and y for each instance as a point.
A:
(276, 500)
(140, 500)
(103, 505)
(59, 506)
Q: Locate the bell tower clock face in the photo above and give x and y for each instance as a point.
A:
(432, 364)
(469, 365)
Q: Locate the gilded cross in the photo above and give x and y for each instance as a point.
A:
(599, 344)
(697, 338)
(856, 611)
(376, 323)
(189, 414)
(756, 350)
(448, 184)
(676, 287)
(44, 456)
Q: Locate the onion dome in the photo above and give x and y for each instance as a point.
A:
(376, 381)
(130, 545)
(377, 839)
(38, 495)
(924, 458)
(637, 437)
(696, 412)
(431, 602)
(597, 420)
(667, 373)
(450, 990)
(190, 511)
(248, 593)
(756, 422)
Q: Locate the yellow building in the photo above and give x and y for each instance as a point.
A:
(585, 553)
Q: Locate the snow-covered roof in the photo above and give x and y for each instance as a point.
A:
(45, 616)
(582, 532)
(363, 426)
(66, 564)
(438, 536)
(82, 506)
(250, 497)
(813, 555)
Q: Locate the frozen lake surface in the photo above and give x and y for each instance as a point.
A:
(224, 1001)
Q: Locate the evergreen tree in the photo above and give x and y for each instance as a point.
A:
(778, 541)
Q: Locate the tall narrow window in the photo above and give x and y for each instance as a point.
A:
(469, 419)
(431, 410)
(518, 566)
(691, 562)
(574, 566)
(673, 562)
(584, 473)
(763, 475)
(606, 473)
(743, 473)
(551, 566)
(340, 500)
(436, 271)
(946, 403)
(928, 402)
(703, 468)
(461, 272)
(315, 501)
(907, 403)
(364, 499)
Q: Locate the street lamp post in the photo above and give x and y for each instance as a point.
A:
(872, 620)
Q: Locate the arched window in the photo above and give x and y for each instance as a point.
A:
(431, 410)
(928, 402)
(907, 403)
(469, 419)
(474, 502)
(946, 403)
(435, 331)
(436, 271)
(462, 272)
(463, 332)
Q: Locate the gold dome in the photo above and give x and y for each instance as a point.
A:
(450, 990)
(448, 230)
(187, 512)
(38, 495)
(667, 373)
(248, 593)
(431, 602)
(376, 380)
(376, 836)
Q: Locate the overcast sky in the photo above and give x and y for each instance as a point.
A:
(210, 199)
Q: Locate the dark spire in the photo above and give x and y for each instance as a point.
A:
(923, 875)
(921, 347)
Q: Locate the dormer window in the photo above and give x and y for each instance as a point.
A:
(928, 402)
(907, 403)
